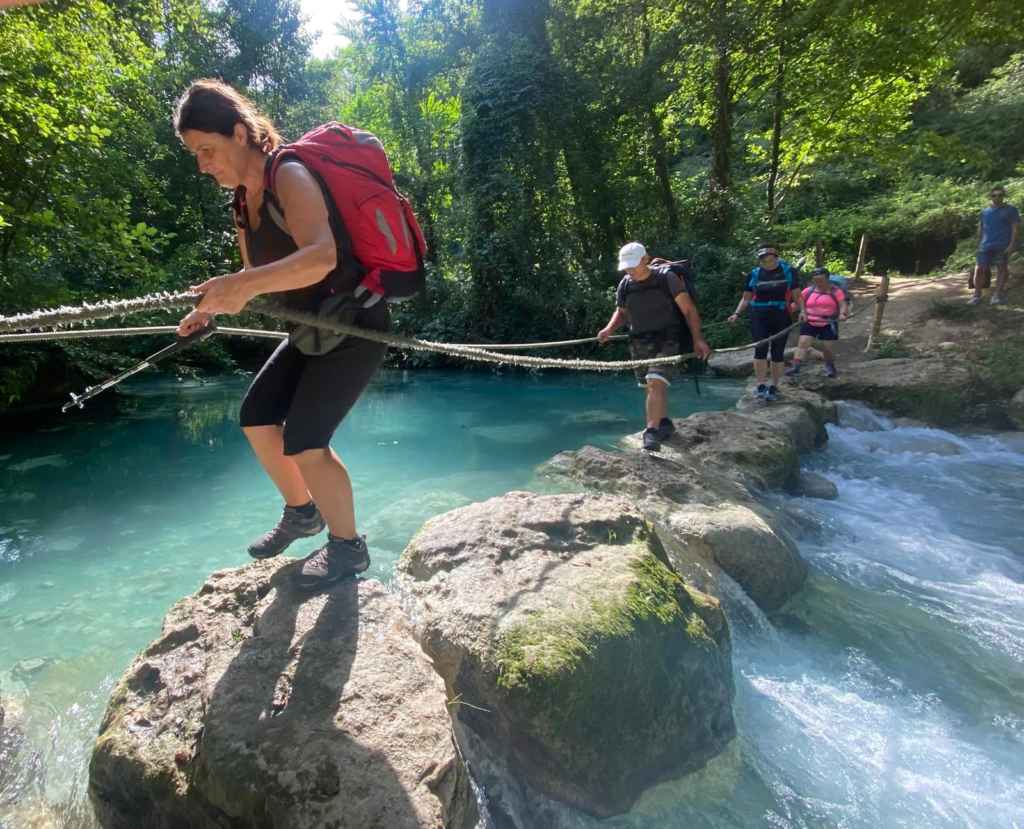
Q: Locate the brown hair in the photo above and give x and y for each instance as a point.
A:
(210, 105)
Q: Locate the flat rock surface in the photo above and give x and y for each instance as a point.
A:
(260, 706)
(757, 451)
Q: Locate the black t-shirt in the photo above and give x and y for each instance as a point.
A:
(650, 303)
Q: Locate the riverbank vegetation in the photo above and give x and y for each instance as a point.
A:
(533, 136)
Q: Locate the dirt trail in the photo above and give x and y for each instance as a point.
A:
(928, 315)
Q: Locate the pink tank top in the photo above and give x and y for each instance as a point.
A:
(822, 308)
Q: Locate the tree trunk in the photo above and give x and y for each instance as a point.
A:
(658, 150)
(721, 175)
(861, 255)
(661, 171)
(776, 150)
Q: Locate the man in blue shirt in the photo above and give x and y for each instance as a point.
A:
(997, 237)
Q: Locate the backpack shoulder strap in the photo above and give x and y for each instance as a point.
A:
(788, 271)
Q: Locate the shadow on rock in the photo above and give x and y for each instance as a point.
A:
(261, 707)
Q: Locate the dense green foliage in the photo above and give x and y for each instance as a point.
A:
(534, 137)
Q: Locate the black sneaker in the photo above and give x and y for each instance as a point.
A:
(666, 428)
(339, 558)
(762, 390)
(292, 526)
(772, 394)
(651, 441)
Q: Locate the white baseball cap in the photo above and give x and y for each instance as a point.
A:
(630, 255)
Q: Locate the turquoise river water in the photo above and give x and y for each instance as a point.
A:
(889, 694)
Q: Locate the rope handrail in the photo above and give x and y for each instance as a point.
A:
(475, 352)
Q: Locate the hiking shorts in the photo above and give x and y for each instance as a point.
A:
(657, 344)
(987, 257)
(310, 396)
(763, 323)
(820, 332)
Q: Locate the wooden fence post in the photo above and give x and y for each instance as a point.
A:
(880, 299)
(861, 255)
(819, 254)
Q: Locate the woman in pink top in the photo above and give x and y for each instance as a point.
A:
(821, 306)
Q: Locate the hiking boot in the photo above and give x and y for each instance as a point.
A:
(793, 370)
(772, 394)
(339, 558)
(762, 390)
(292, 526)
(666, 428)
(651, 441)
(830, 370)
(974, 300)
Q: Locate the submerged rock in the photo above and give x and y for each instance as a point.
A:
(1015, 409)
(584, 670)
(813, 485)
(258, 706)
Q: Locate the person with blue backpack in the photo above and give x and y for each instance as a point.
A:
(307, 239)
(657, 299)
(768, 291)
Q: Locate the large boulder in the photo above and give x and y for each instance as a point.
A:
(705, 515)
(763, 560)
(261, 707)
(582, 669)
(752, 450)
(653, 477)
(800, 413)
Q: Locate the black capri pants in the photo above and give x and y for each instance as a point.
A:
(310, 396)
(763, 323)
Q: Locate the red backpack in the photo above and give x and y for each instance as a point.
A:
(377, 227)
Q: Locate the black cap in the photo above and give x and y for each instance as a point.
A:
(820, 272)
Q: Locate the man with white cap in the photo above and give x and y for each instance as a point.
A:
(658, 304)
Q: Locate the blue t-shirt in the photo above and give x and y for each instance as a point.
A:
(997, 226)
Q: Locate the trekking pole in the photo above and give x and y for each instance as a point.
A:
(179, 345)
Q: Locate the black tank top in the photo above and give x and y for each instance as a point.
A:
(269, 243)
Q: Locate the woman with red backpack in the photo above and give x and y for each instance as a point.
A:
(822, 305)
(294, 247)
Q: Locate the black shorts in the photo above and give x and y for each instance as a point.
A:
(824, 332)
(310, 396)
(763, 323)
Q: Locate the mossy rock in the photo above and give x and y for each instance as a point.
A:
(583, 665)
